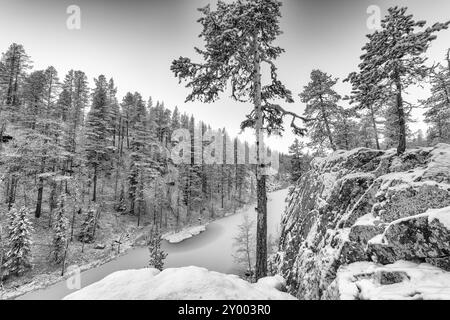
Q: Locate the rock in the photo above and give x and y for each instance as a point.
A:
(365, 205)
(100, 246)
(402, 280)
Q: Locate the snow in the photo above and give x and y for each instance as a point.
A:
(360, 280)
(184, 234)
(378, 239)
(367, 220)
(187, 283)
(440, 160)
(442, 215)
(328, 181)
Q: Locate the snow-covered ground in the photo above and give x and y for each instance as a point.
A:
(186, 233)
(399, 281)
(211, 249)
(187, 283)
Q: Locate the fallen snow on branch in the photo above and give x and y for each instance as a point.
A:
(183, 234)
(187, 283)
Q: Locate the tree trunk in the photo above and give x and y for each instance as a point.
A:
(261, 228)
(327, 125)
(401, 118)
(72, 224)
(94, 194)
(2, 129)
(12, 192)
(37, 212)
(375, 129)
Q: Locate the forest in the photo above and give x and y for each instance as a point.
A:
(79, 166)
(82, 169)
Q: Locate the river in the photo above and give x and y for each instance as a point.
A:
(211, 249)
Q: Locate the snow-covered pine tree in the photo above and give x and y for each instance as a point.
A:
(370, 98)
(18, 255)
(60, 227)
(142, 165)
(86, 234)
(346, 129)
(157, 254)
(394, 58)
(96, 151)
(121, 204)
(299, 160)
(238, 39)
(321, 105)
(15, 62)
(438, 104)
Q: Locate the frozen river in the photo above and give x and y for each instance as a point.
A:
(212, 249)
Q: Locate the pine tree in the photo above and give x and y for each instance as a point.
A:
(238, 40)
(175, 121)
(392, 129)
(346, 129)
(96, 151)
(86, 234)
(142, 167)
(60, 226)
(18, 256)
(157, 255)
(299, 160)
(114, 116)
(15, 63)
(438, 105)
(321, 100)
(370, 98)
(393, 58)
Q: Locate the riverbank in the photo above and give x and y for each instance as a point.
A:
(211, 249)
(83, 257)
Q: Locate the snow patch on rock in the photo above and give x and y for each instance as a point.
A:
(399, 281)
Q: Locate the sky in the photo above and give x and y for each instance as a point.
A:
(135, 41)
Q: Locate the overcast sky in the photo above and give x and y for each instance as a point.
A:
(134, 42)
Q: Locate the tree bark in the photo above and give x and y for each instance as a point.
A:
(38, 211)
(261, 228)
(327, 124)
(94, 195)
(401, 118)
(375, 129)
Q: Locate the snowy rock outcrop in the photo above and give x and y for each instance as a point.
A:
(399, 281)
(187, 283)
(365, 205)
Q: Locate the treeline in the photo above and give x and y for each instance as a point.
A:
(379, 115)
(69, 153)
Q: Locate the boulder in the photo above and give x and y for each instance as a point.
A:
(368, 206)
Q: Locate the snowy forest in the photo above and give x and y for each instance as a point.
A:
(87, 176)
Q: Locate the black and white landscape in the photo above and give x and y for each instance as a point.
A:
(225, 150)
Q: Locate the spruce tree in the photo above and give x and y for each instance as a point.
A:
(157, 254)
(60, 227)
(18, 256)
